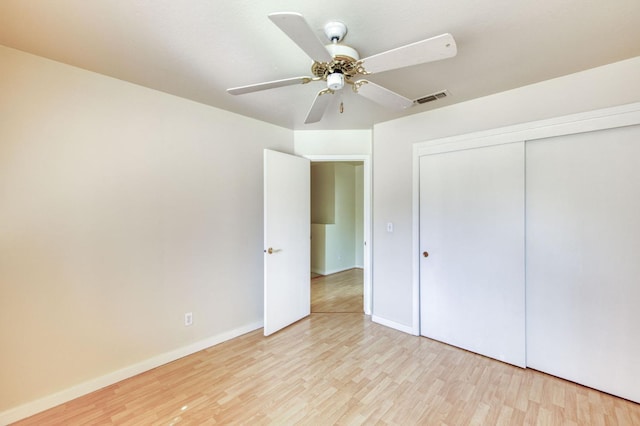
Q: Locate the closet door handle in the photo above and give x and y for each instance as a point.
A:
(425, 254)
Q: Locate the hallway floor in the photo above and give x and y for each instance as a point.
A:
(338, 293)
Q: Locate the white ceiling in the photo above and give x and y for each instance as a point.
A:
(197, 49)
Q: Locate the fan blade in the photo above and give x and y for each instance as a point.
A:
(269, 85)
(319, 106)
(296, 27)
(420, 52)
(384, 97)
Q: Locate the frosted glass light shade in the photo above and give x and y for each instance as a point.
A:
(335, 81)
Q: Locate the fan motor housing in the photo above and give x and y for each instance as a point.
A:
(345, 61)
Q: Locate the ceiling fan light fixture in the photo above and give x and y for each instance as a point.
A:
(338, 64)
(335, 81)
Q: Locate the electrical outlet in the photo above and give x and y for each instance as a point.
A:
(188, 319)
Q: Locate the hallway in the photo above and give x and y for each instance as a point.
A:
(338, 293)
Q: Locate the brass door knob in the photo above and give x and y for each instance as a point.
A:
(270, 250)
(425, 254)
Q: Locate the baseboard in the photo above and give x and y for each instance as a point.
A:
(50, 401)
(335, 271)
(395, 325)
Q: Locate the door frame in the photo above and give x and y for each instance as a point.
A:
(366, 162)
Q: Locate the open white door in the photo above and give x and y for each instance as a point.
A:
(287, 230)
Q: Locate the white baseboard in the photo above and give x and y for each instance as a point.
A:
(334, 271)
(29, 409)
(395, 325)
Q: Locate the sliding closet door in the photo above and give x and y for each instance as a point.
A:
(472, 228)
(583, 258)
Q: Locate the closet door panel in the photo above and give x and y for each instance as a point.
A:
(472, 227)
(583, 258)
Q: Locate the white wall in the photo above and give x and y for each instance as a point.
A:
(332, 142)
(121, 209)
(610, 85)
(359, 217)
(340, 237)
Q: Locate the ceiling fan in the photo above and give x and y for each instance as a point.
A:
(338, 64)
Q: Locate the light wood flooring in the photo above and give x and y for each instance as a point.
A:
(338, 293)
(341, 368)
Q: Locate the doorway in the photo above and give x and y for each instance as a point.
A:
(342, 259)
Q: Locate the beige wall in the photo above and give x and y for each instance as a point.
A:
(121, 208)
(393, 141)
(335, 244)
(323, 193)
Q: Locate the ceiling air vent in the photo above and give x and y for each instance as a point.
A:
(432, 97)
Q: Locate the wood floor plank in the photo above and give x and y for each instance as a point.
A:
(341, 369)
(341, 292)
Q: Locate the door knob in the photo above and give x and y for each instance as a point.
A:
(425, 254)
(271, 250)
